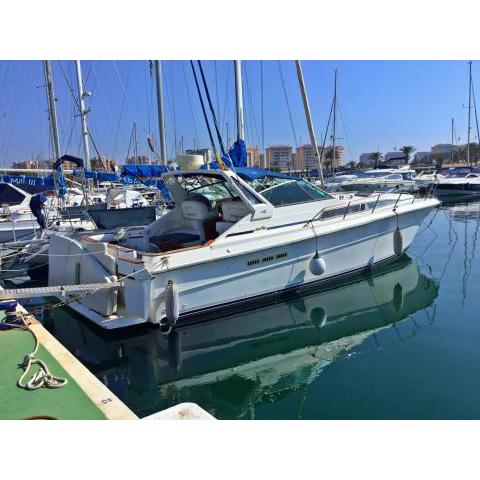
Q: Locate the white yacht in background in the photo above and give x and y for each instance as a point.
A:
(463, 185)
(381, 180)
(228, 244)
(426, 179)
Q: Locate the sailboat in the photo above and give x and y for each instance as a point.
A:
(463, 182)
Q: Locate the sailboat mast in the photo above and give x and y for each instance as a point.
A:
(451, 150)
(469, 110)
(239, 100)
(334, 126)
(308, 115)
(161, 115)
(83, 115)
(262, 117)
(52, 113)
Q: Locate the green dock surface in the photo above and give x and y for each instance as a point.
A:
(68, 402)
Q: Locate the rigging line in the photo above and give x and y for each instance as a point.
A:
(20, 89)
(190, 102)
(4, 79)
(347, 134)
(280, 71)
(476, 117)
(326, 131)
(212, 110)
(120, 117)
(148, 74)
(172, 104)
(224, 116)
(124, 88)
(203, 108)
(216, 86)
(262, 109)
(249, 96)
(109, 116)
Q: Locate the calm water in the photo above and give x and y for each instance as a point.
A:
(403, 342)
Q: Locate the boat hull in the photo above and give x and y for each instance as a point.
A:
(224, 286)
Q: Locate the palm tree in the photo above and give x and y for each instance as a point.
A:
(407, 150)
(376, 157)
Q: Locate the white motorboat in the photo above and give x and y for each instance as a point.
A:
(226, 245)
(426, 179)
(451, 186)
(380, 180)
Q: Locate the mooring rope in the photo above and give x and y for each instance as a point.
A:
(43, 377)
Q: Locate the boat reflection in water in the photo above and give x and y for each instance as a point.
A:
(229, 365)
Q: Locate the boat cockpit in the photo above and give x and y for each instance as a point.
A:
(208, 203)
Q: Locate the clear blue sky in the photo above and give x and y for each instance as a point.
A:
(381, 103)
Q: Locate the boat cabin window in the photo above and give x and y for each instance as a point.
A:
(291, 192)
(394, 176)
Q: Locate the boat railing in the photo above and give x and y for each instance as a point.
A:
(359, 206)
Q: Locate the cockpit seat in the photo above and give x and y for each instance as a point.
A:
(234, 210)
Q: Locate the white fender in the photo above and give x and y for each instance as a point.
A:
(317, 265)
(397, 242)
(172, 303)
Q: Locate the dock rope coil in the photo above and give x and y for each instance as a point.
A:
(42, 377)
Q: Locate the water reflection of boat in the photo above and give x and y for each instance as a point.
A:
(230, 364)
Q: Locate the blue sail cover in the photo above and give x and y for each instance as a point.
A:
(236, 155)
(144, 170)
(101, 176)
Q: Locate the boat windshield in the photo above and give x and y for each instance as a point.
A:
(291, 192)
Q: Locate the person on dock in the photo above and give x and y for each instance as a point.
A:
(37, 205)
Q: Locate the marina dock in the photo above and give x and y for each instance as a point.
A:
(84, 397)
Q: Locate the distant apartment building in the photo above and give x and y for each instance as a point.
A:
(26, 165)
(279, 157)
(394, 159)
(442, 149)
(366, 159)
(103, 163)
(306, 160)
(253, 157)
(422, 157)
(339, 156)
(139, 160)
(206, 153)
